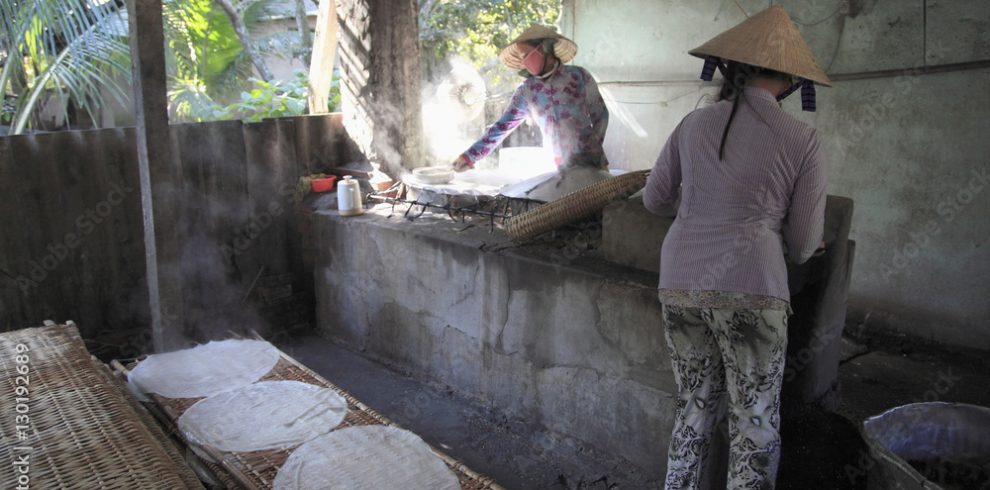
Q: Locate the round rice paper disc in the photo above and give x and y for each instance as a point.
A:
(370, 457)
(262, 416)
(206, 369)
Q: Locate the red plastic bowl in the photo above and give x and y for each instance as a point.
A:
(323, 185)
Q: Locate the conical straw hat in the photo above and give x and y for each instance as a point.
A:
(768, 39)
(564, 48)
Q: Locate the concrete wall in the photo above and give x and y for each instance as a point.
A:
(71, 239)
(910, 149)
(574, 348)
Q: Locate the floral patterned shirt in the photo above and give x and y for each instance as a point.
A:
(569, 111)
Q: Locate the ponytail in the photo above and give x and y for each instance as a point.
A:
(725, 133)
(737, 75)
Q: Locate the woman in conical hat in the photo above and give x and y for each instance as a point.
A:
(562, 99)
(745, 182)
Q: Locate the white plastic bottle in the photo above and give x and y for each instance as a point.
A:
(349, 197)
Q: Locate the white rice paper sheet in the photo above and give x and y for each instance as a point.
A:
(371, 457)
(263, 416)
(204, 370)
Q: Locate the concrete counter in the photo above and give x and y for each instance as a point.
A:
(819, 288)
(574, 347)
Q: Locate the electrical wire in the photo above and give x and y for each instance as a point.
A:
(820, 21)
(838, 41)
(658, 102)
(741, 8)
(835, 51)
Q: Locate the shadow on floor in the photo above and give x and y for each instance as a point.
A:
(820, 449)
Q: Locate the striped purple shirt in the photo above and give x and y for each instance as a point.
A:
(738, 217)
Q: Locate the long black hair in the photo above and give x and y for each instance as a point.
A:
(737, 75)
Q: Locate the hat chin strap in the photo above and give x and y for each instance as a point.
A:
(807, 93)
(807, 86)
(551, 72)
(711, 62)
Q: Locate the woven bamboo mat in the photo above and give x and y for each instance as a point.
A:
(256, 470)
(77, 429)
(574, 206)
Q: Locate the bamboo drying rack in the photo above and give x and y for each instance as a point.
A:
(256, 470)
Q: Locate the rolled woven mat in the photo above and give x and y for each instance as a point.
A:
(68, 425)
(574, 206)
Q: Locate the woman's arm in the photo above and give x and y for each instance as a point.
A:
(513, 116)
(663, 184)
(805, 223)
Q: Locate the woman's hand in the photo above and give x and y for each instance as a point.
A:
(462, 163)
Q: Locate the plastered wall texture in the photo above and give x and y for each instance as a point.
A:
(819, 288)
(574, 348)
(909, 148)
(570, 344)
(71, 232)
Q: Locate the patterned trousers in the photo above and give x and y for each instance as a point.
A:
(714, 352)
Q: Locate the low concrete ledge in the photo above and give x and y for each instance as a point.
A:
(576, 347)
(632, 236)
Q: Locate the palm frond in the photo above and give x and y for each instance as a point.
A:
(73, 47)
(189, 102)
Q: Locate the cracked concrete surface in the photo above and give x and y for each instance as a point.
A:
(575, 347)
(821, 450)
(882, 378)
(483, 437)
(565, 351)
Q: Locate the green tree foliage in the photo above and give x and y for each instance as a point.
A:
(205, 60)
(277, 99)
(272, 99)
(477, 29)
(210, 72)
(262, 100)
(76, 49)
(201, 44)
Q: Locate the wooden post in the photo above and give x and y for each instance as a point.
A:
(157, 171)
(324, 51)
(380, 81)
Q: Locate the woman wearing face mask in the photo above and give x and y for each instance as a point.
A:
(563, 100)
(746, 182)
